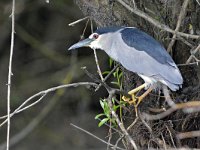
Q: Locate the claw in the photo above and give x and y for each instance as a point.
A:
(131, 100)
(137, 100)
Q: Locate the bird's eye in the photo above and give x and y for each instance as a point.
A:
(95, 36)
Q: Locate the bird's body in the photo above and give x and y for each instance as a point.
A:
(137, 52)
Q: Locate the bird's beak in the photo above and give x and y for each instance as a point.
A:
(83, 43)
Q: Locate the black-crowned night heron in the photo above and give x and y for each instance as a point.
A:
(137, 52)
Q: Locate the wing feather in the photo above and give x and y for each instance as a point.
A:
(145, 62)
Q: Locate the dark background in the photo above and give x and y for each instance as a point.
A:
(41, 61)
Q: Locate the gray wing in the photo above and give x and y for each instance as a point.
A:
(143, 61)
(141, 41)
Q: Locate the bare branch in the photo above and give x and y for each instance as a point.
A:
(43, 94)
(110, 73)
(116, 130)
(26, 130)
(10, 73)
(155, 22)
(198, 2)
(97, 64)
(193, 53)
(77, 21)
(190, 134)
(133, 123)
(167, 96)
(109, 135)
(180, 18)
(191, 106)
(134, 4)
(189, 64)
(184, 41)
(115, 147)
(120, 124)
(89, 133)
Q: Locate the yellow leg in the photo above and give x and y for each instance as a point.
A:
(132, 93)
(140, 98)
(137, 89)
(137, 100)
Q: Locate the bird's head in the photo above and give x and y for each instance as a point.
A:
(92, 41)
(100, 39)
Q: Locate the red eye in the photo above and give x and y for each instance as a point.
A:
(95, 36)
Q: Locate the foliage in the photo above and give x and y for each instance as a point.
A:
(106, 112)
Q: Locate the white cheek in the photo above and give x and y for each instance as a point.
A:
(95, 45)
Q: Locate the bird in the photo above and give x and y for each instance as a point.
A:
(140, 53)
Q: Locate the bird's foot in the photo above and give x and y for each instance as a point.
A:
(132, 101)
(133, 98)
(136, 100)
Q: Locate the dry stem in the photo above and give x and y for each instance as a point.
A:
(42, 94)
(89, 133)
(155, 22)
(180, 18)
(10, 73)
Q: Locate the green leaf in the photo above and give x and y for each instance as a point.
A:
(115, 107)
(113, 100)
(117, 70)
(106, 109)
(106, 72)
(120, 75)
(111, 62)
(113, 121)
(102, 104)
(116, 83)
(115, 74)
(99, 115)
(103, 121)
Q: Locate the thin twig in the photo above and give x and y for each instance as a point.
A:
(178, 25)
(198, 2)
(155, 22)
(184, 41)
(186, 106)
(94, 78)
(167, 96)
(109, 135)
(30, 127)
(43, 94)
(97, 64)
(10, 73)
(77, 21)
(89, 133)
(91, 26)
(145, 123)
(96, 58)
(190, 134)
(111, 127)
(121, 137)
(193, 53)
(133, 123)
(164, 142)
(189, 64)
(170, 134)
(134, 4)
(86, 24)
(120, 124)
(110, 73)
